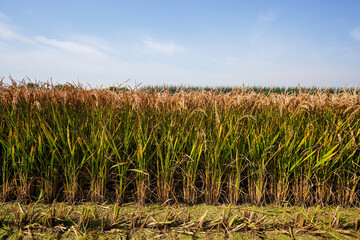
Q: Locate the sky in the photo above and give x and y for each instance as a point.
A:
(182, 42)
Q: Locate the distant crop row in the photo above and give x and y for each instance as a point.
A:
(72, 144)
(187, 89)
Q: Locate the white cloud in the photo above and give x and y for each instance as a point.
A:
(67, 45)
(92, 41)
(355, 33)
(8, 34)
(162, 47)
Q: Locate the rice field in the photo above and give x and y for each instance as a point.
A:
(74, 144)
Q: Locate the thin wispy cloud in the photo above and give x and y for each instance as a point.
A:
(355, 33)
(162, 47)
(3, 16)
(80, 56)
(67, 45)
(7, 33)
(93, 41)
(264, 21)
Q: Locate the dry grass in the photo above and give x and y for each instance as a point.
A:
(132, 221)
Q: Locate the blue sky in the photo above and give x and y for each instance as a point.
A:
(183, 42)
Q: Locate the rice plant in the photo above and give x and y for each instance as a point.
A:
(72, 144)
